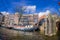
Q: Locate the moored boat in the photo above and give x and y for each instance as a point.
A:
(25, 28)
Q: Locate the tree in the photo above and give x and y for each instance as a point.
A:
(20, 10)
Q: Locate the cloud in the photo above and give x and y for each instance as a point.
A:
(44, 13)
(53, 10)
(29, 9)
(4, 12)
(26, 8)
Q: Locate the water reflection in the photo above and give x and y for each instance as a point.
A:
(58, 34)
(8, 34)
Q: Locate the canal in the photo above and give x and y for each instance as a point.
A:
(9, 34)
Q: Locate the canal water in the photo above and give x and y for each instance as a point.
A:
(9, 34)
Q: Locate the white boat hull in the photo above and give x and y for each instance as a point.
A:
(25, 28)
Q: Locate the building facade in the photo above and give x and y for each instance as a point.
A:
(11, 19)
(1, 18)
(48, 26)
(29, 19)
(16, 18)
(6, 19)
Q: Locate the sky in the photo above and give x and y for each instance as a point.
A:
(32, 5)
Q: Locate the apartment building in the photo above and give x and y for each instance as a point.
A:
(11, 20)
(16, 18)
(26, 19)
(35, 18)
(1, 18)
(29, 19)
(6, 19)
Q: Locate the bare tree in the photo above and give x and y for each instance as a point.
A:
(20, 10)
